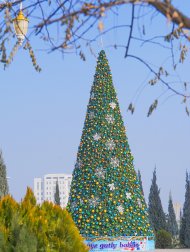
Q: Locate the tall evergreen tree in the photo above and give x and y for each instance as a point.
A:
(56, 195)
(185, 222)
(140, 181)
(3, 177)
(182, 229)
(156, 213)
(172, 222)
(105, 197)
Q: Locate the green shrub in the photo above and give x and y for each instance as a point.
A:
(163, 239)
(27, 227)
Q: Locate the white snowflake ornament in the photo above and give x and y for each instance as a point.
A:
(97, 137)
(111, 186)
(110, 119)
(120, 209)
(139, 203)
(128, 195)
(112, 105)
(73, 205)
(114, 162)
(91, 115)
(81, 202)
(78, 164)
(94, 201)
(92, 95)
(100, 173)
(110, 144)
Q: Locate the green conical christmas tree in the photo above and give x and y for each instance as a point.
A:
(105, 198)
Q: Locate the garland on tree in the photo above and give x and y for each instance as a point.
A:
(105, 198)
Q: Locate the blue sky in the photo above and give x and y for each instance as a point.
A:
(42, 115)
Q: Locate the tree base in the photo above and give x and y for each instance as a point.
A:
(119, 244)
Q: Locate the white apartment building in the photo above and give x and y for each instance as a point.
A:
(177, 209)
(44, 188)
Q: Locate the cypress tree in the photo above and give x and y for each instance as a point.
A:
(185, 222)
(187, 214)
(105, 197)
(172, 222)
(3, 177)
(182, 230)
(156, 213)
(56, 195)
(140, 181)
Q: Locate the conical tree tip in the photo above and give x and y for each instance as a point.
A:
(101, 53)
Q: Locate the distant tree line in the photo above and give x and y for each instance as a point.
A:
(167, 232)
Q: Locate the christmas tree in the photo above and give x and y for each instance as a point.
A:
(105, 198)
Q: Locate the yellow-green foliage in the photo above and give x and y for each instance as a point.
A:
(29, 227)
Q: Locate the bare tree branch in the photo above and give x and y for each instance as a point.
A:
(158, 76)
(75, 19)
(167, 9)
(131, 30)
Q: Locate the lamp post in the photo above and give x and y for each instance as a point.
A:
(21, 26)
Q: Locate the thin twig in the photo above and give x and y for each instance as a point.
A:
(131, 30)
